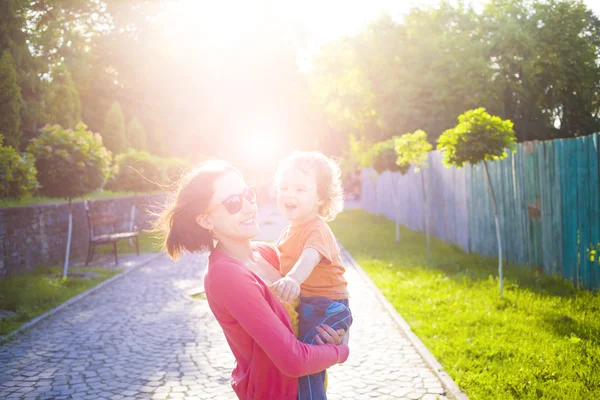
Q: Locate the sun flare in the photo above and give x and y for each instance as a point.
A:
(261, 146)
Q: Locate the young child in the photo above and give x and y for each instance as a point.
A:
(309, 193)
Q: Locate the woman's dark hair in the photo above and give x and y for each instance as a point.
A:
(190, 199)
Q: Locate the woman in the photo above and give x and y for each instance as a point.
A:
(214, 205)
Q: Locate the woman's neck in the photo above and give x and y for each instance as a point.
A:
(239, 250)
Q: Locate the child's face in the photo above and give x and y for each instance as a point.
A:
(297, 197)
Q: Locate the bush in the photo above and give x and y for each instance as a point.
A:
(70, 163)
(174, 168)
(137, 171)
(17, 173)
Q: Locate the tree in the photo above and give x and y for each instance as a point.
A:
(392, 78)
(10, 101)
(413, 151)
(70, 163)
(533, 62)
(15, 38)
(545, 95)
(63, 103)
(136, 136)
(382, 157)
(342, 89)
(113, 131)
(17, 173)
(479, 137)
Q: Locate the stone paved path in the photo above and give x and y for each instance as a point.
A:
(144, 336)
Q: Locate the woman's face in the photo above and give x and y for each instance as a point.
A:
(242, 224)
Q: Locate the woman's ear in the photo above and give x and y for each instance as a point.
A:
(204, 222)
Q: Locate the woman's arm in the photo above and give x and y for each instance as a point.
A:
(237, 290)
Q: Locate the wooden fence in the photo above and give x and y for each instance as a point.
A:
(548, 197)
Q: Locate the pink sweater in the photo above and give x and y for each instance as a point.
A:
(269, 358)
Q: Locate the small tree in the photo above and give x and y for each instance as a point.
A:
(479, 137)
(136, 136)
(413, 150)
(63, 102)
(382, 157)
(17, 173)
(113, 131)
(10, 101)
(70, 164)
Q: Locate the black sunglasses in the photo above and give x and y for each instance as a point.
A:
(234, 203)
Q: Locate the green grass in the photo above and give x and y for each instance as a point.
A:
(34, 293)
(541, 341)
(150, 242)
(101, 194)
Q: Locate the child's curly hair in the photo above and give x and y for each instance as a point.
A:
(329, 179)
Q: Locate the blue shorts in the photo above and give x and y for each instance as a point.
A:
(313, 312)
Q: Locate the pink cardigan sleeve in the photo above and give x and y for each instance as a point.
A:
(235, 289)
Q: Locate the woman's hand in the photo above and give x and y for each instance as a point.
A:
(330, 335)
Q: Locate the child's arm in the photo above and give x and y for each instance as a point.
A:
(288, 287)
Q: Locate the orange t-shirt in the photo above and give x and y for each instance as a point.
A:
(327, 279)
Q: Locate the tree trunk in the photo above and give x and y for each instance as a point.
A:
(397, 215)
(425, 213)
(397, 230)
(498, 238)
(70, 232)
(377, 206)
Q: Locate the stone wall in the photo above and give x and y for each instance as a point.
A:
(37, 234)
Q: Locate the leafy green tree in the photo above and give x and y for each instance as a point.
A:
(113, 131)
(545, 72)
(10, 101)
(402, 77)
(136, 136)
(343, 92)
(413, 151)
(63, 105)
(16, 38)
(70, 163)
(533, 62)
(479, 138)
(17, 173)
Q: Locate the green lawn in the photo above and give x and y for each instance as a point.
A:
(34, 293)
(101, 194)
(542, 340)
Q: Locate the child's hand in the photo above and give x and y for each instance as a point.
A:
(287, 289)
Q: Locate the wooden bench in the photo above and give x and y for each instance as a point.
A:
(105, 219)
